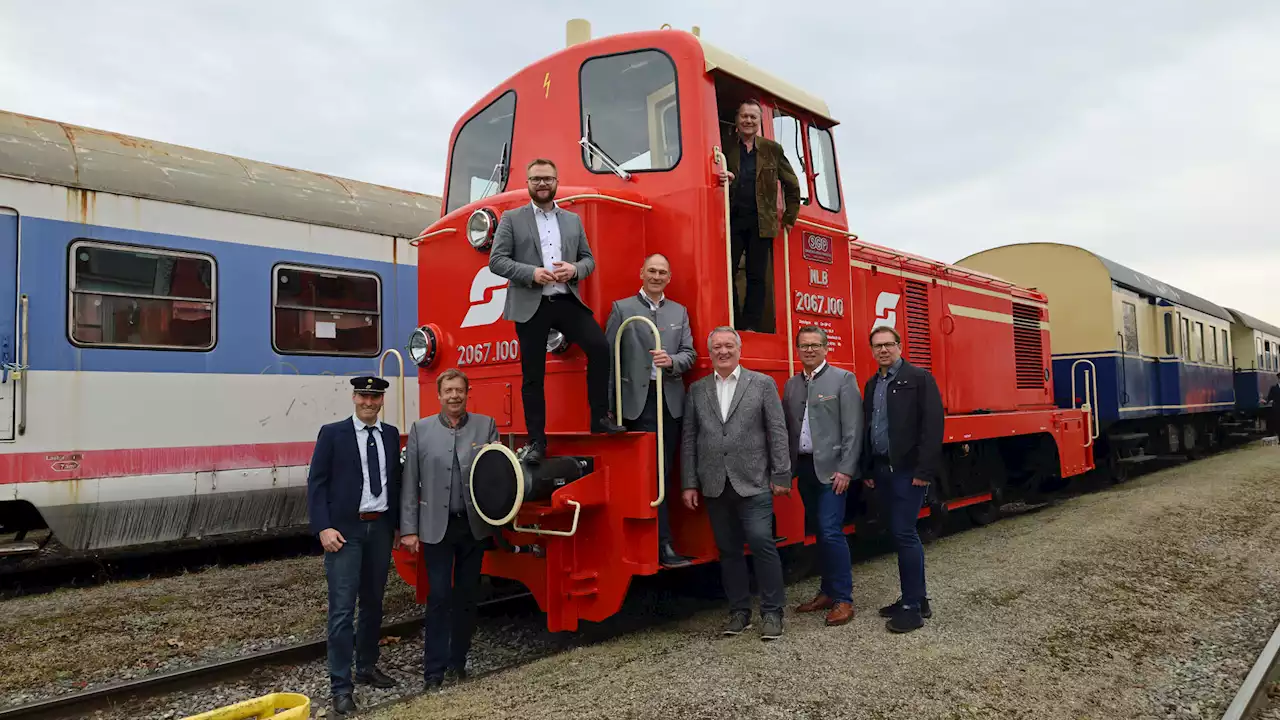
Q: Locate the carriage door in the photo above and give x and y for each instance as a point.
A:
(9, 220)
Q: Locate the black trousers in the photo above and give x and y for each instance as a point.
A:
(566, 314)
(746, 239)
(648, 422)
(453, 573)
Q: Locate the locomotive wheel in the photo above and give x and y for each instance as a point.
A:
(984, 514)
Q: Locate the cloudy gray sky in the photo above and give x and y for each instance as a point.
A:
(1145, 130)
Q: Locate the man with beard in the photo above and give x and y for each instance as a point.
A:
(543, 251)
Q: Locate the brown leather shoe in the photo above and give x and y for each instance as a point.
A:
(821, 602)
(840, 614)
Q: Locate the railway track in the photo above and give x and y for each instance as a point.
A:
(1251, 699)
(83, 703)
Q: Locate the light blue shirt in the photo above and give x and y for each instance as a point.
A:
(880, 410)
(549, 239)
(369, 503)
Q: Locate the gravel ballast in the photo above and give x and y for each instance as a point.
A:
(1148, 600)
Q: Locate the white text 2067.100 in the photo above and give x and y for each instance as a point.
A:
(812, 304)
(481, 353)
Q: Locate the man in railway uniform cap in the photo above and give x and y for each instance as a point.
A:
(353, 489)
(755, 166)
(438, 517)
(824, 429)
(543, 251)
(643, 368)
(904, 419)
(734, 453)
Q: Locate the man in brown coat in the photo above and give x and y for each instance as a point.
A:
(755, 166)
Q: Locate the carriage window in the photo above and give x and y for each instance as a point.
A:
(1186, 337)
(826, 181)
(1213, 332)
(318, 311)
(786, 130)
(1130, 328)
(1168, 333)
(1226, 348)
(630, 112)
(1258, 344)
(481, 160)
(141, 298)
(1197, 341)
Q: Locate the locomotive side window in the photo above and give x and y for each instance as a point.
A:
(630, 112)
(481, 159)
(786, 130)
(318, 311)
(1130, 328)
(826, 180)
(141, 298)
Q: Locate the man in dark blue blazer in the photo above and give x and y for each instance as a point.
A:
(353, 491)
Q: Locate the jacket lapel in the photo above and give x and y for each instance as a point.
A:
(564, 235)
(712, 398)
(738, 392)
(532, 226)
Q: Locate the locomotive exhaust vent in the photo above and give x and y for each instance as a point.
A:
(1028, 347)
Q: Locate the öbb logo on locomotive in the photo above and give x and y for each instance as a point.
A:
(484, 312)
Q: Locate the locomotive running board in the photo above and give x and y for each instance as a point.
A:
(21, 547)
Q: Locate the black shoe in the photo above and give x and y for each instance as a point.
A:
(888, 611)
(432, 683)
(457, 674)
(669, 558)
(375, 677)
(605, 426)
(904, 621)
(344, 704)
(739, 622)
(771, 626)
(533, 452)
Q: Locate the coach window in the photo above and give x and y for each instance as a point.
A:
(134, 297)
(481, 160)
(826, 180)
(319, 311)
(1130, 328)
(1226, 347)
(630, 112)
(1213, 337)
(787, 131)
(1168, 334)
(1186, 337)
(1257, 341)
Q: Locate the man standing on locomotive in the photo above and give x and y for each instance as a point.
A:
(824, 430)
(437, 515)
(904, 419)
(543, 251)
(734, 452)
(353, 488)
(754, 167)
(643, 368)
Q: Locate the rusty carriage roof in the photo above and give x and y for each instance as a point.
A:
(58, 153)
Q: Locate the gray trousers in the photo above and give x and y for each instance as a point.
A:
(736, 521)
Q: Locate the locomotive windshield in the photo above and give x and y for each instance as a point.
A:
(629, 104)
(479, 164)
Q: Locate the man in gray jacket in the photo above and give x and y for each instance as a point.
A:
(543, 251)
(734, 452)
(824, 430)
(437, 517)
(642, 366)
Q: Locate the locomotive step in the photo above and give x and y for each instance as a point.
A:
(1138, 459)
(1128, 437)
(18, 547)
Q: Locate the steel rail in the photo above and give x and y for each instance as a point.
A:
(83, 703)
(1253, 693)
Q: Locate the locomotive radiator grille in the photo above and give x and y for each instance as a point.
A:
(1028, 347)
(919, 339)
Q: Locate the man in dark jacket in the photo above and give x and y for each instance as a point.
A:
(904, 420)
(754, 167)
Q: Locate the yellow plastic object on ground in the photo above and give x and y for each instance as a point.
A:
(277, 706)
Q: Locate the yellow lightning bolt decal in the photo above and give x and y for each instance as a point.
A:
(546, 84)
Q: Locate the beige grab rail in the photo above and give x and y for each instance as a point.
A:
(617, 385)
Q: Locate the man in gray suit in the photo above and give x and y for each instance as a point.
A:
(437, 516)
(734, 453)
(642, 365)
(543, 251)
(824, 432)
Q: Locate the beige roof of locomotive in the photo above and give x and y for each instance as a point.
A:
(69, 155)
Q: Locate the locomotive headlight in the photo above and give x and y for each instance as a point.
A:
(422, 346)
(556, 342)
(480, 228)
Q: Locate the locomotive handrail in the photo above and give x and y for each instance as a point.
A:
(568, 533)
(25, 302)
(786, 271)
(617, 385)
(828, 228)
(1095, 427)
(403, 395)
(597, 196)
(419, 239)
(728, 239)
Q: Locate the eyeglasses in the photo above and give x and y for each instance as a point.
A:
(883, 346)
(811, 346)
(542, 181)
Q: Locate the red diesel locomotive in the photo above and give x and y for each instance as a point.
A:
(635, 123)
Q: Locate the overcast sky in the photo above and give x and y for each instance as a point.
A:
(1145, 130)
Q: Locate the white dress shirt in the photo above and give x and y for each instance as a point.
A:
(725, 387)
(549, 238)
(653, 308)
(369, 503)
(806, 440)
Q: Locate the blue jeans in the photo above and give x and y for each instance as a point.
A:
(357, 572)
(453, 577)
(901, 501)
(824, 516)
(735, 521)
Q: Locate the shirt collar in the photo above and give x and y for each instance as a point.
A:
(360, 426)
(737, 372)
(555, 208)
(816, 373)
(462, 421)
(645, 299)
(893, 369)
